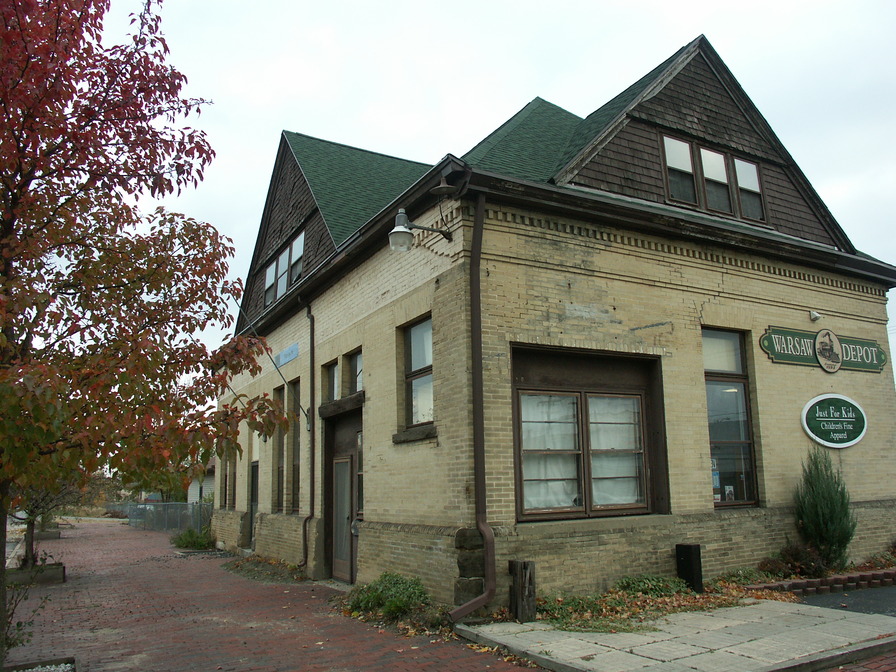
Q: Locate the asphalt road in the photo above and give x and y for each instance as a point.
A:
(867, 601)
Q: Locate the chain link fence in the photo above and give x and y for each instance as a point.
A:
(172, 516)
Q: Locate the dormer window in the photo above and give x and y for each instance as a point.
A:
(748, 189)
(285, 271)
(715, 175)
(726, 184)
(680, 167)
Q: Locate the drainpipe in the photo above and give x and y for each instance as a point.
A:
(311, 427)
(488, 535)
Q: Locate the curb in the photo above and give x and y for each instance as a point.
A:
(837, 583)
(850, 654)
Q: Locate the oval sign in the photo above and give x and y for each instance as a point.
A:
(834, 421)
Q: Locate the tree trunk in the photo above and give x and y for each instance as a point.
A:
(29, 560)
(4, 616)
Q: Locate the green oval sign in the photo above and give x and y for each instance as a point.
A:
(834, 421)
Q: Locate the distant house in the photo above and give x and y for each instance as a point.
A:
(593, 339)
(202, 488)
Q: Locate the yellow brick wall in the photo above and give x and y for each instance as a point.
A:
(569, 284)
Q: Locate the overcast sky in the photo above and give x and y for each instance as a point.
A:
(420, 80)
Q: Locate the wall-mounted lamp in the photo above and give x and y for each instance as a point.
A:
(400, 237)
(814, 316)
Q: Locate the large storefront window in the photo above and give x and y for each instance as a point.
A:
(587, 445)
(728, 408)
(570, 440)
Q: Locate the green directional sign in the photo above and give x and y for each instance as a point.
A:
(822, 348)
(834, 421)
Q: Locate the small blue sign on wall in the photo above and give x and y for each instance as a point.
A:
(286, 355)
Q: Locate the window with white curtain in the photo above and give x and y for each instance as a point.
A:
(581, 451)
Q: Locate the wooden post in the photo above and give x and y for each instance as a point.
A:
(522, 590)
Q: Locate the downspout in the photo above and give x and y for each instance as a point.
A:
(479, 481)
(311, 427)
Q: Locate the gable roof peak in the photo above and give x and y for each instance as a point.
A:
(349, 185)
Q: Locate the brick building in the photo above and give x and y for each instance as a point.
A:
(602, 342)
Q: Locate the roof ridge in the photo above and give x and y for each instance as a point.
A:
(349, 184)
(486, 145)
(353, 148)
(596, 123)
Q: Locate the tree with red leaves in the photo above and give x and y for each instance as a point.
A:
(100, 303)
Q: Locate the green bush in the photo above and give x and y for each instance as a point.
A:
(391, 596)
(823, 517)
(651, 585)
(193, 540)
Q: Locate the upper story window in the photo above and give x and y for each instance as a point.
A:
(418, 373)
(284, 271)
(355, 372)
(712, 180)
(332, 387)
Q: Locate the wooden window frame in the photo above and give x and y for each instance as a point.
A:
(582, 374)
(287, 265)
(355, 369)
(735, 195)
(294, 453)
(412, 375)
(584, 453)
(332, 381)
(740, 378)
(278, 449)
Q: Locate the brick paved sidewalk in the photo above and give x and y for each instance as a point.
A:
(885, 663)
(132, 603)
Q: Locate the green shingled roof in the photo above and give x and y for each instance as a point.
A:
(350, 185)
(529, 145)
(541, 139)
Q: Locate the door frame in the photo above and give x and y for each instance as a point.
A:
(340, 445)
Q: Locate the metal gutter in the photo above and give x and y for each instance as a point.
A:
(479, 479)
(311, 443)
(669, 221)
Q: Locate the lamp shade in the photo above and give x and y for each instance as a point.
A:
(401, 239)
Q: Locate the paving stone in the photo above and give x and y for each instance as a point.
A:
(720, 661)
(718, 639)
(624, 641)
(131, 603)
(615, 661)
(669, 650)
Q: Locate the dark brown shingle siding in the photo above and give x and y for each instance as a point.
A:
(627, 165)
(290, 203)
(696, 103)
(787, 210)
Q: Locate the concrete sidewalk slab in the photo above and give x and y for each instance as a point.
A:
(761, 636)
